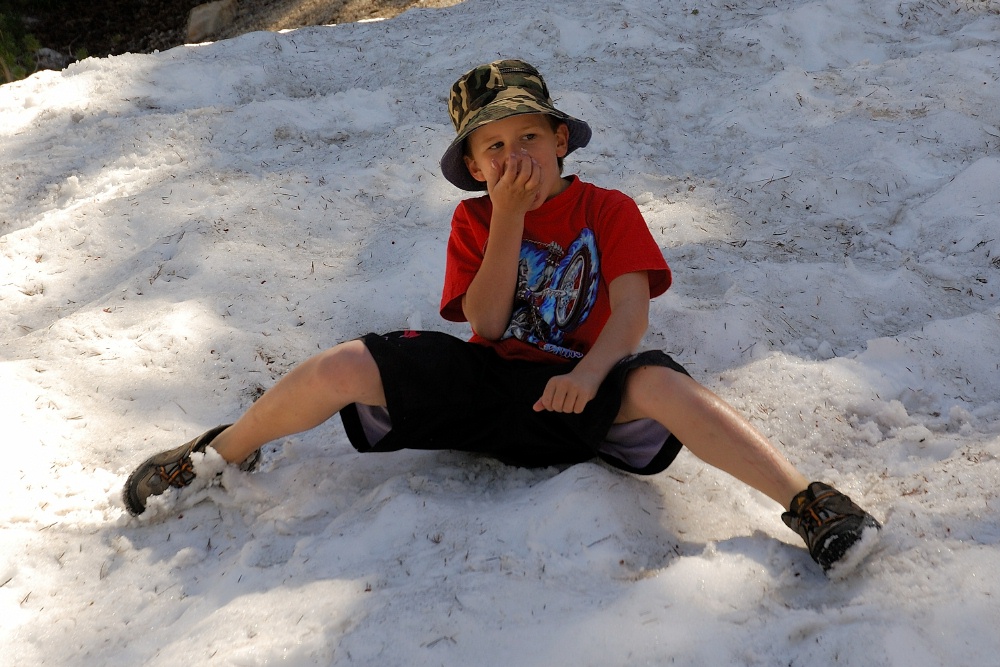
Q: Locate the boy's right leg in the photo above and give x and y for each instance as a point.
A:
(307, 396)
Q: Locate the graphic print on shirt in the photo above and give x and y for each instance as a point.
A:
(556, 290)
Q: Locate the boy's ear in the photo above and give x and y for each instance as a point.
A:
(562, 140)
(474, 169)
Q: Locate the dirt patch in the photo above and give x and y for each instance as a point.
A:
(113, 27)
(288, 14)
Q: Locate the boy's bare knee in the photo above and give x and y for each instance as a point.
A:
(350, 370)
(659, 379)
(647, 385)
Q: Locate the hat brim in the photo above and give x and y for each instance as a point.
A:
(453, 162)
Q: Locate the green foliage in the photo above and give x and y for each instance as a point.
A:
(24, 7)
(17, 46)
(15, 56)
(30, 43)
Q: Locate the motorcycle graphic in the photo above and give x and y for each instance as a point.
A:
(555, 291)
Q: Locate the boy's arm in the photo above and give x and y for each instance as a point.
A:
(489, 301)
(620, 337)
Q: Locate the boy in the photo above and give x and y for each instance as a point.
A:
(554, 277)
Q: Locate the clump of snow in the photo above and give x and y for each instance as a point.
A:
(854, 556)
(177, 230)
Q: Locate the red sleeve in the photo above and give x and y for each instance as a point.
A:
(626, 245)
(466, 246)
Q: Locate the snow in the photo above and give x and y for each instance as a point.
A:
(179, 229)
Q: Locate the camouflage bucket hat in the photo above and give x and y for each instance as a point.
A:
(492, 92)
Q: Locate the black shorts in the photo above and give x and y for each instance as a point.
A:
(445, 393)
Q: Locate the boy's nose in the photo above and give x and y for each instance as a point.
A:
(518, 151)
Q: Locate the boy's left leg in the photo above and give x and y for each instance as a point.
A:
(711, 429)
(836, 531)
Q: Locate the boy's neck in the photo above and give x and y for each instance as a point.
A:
(564, 183)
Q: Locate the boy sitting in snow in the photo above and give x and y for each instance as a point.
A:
(555, 277)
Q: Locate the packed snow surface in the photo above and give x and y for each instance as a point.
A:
(177, 230)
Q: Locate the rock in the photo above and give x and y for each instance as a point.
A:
(210, 19)
(50, 59)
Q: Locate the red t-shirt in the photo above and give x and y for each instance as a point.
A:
(573, 246)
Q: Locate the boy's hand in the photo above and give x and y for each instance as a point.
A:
(515, 184)
(570, 392)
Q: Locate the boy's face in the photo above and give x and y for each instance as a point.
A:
(489, 147)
